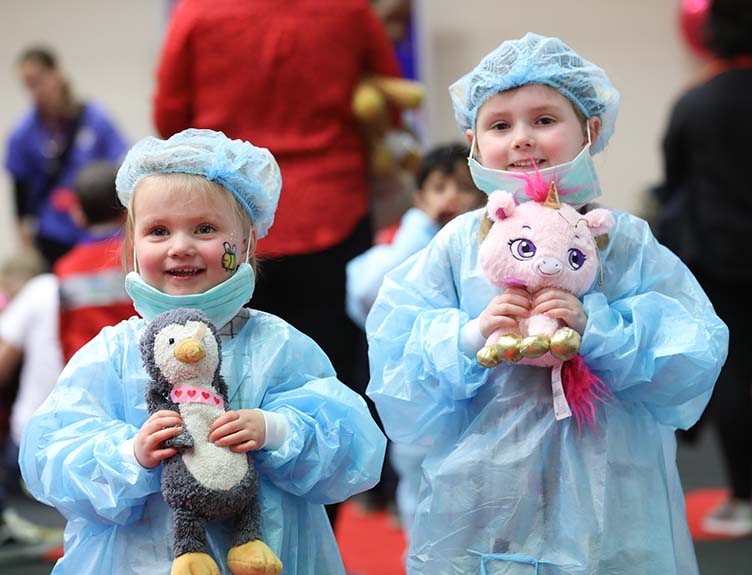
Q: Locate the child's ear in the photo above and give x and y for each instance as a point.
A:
(253, 239)
(419, 199)
(594, 125)
(469, 135)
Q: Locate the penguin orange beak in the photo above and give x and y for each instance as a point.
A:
(190, 349)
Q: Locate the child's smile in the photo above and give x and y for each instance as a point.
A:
(187, 273)
(527, 165)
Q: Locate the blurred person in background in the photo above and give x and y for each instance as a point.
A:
(30, 362)
(54, 314)
(706, 219)
(48, 146)
(444, 189)
(282, 75)
(90, 276)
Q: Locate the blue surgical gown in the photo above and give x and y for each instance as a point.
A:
(76, 453)
(365, 272)
(506, 487)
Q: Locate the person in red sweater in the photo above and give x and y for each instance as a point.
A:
(90, 276)
(282, 74)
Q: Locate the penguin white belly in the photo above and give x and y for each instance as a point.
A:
(212, 466)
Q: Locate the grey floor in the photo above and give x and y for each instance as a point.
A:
(699, 465)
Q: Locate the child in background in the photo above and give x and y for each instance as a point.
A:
(90, 275)
(444, 189)
(93, 451)
(506, 487)
(62, 311)
(15, 273)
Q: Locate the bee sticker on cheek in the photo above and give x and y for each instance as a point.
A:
(229, 260)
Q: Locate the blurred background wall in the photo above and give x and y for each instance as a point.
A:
(109, 50)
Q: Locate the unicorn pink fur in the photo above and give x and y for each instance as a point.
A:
(537, 244)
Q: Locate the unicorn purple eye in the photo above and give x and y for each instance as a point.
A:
(522, 249)
(575, 258)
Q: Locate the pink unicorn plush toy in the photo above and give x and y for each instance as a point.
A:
(537, 244)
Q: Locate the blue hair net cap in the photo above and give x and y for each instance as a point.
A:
(535, 59)
(249, 173)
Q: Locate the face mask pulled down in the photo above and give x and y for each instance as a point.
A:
(576, 180)
(220, 303)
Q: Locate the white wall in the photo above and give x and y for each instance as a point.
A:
(109, 50)
(637, 42)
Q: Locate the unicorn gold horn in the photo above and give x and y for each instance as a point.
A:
(552, 200)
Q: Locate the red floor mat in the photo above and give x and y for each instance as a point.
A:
(700, 502)
(369, 543)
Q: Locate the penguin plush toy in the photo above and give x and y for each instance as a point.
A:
(181, 351)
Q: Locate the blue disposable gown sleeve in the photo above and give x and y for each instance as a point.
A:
(420, 376)
(652, 334)
(73, 450)
(365, 273)
(335, 449)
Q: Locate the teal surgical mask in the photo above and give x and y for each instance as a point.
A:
(220, 303)
(576, 180)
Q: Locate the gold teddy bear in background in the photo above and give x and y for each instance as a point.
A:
(377, 104)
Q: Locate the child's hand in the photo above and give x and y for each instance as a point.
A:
(504, 311)
(242, 430)
(560, 304)
(160, 427)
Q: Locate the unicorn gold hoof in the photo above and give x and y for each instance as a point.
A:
(487, 356)
(565, 343)
(194, 564)
(508, 347)
(253, 558)
(534, 346)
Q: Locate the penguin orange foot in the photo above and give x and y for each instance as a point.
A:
(194, 564)
(253, 558)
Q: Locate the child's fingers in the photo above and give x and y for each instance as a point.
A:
(551, 294)
(509, 309)
(164, 413)
(163, 419)
(553, 305)
(161, 454)
(249, 445)
(517, 291)
(228, 417)
(228, 428)
(521, 299)
(157, 437)
(574, 319)
(235, 438)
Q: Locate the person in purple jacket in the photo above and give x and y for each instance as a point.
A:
(57, 137)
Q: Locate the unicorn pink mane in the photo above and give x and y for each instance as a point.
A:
(583, 389)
